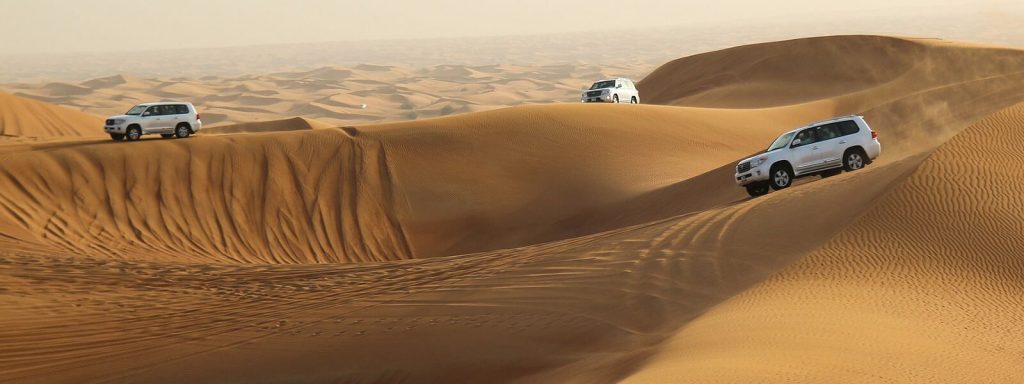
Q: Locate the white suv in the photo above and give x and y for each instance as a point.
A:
(824, 148)
(617, 90)
(169, 119)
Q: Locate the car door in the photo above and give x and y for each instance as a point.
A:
(165, 122)
(805, 154)
(151, 119)
(176, 114)
(831, 145)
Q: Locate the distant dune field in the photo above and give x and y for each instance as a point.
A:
(555, 243)
(341, 96)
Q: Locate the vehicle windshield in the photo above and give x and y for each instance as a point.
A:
(781, 141)
(603, 84)
(136, 110)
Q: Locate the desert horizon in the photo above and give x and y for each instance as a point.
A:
(459, 208)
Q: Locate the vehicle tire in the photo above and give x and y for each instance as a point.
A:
(615, 99)
(117, 136)
(167, 135)
(134, 133)
(182, 131)
(780, 177)
(757, 189)
(831, 172)
(633, 100)
(854, 159)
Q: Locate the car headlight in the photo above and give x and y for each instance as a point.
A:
(118, 121)
(754, 163)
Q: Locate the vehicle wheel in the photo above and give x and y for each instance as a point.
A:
(182, 131)
(134, 133)
(831, 172)
(615, 99)
(167, 135)
(757, 189)
(117, 136)
(780, 177)
(853, 160)
(633, 100)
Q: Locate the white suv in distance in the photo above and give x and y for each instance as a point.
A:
(617, 90)
(824, 148)
(169, 119)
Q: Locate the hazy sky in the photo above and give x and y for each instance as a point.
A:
(58, 26)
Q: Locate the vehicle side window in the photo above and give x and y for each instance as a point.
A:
(848, 127)
(828, 132)
(805, 137)
(183, 109)
(151, 111)
(176, 109)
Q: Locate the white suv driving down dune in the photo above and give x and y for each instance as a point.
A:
(617, 90)
(825, 148)
(169, 119)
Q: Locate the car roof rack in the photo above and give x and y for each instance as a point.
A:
(833, 119)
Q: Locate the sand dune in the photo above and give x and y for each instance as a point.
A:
(541, 243)
(924, 286)
(29, 119)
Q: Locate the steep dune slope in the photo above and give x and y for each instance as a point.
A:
(925, 286)
(512, 177)
(26, 118)
(313, 197)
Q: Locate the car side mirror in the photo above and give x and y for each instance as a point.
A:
(796, 143)
(618, 86)
(147, 113)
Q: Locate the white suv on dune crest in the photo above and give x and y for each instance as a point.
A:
(618, 90)
(169, 119)
(824, 148)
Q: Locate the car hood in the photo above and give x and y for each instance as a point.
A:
(599, 89)
(126, 117)
(759, 154)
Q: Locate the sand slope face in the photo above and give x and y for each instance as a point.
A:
(926, 286)
(518, 176)
(25, 118)
(315, 197)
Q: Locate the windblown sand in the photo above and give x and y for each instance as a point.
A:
(541, 243)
